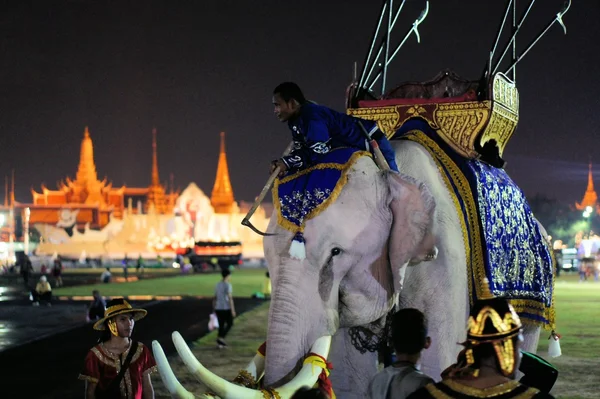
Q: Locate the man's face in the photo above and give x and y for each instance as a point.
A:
(284, 110)
(125, 324)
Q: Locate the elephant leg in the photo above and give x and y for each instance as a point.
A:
(531, 337)
(445, 338)
(442, 297)
(352, 371)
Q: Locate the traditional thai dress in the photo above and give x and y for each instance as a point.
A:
(318, 130)
(451, 389)
(101, 367)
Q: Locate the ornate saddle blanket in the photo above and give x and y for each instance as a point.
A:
(304, 195)
(507, 255)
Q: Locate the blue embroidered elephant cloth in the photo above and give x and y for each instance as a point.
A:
(301, 196)
(506, 253)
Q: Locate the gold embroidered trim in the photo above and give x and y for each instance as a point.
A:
(104, 359)
(87, 378)
(474, 254)
(496, 390)
(245, 379)
(126, 381)
(435, 392)
(137, 353)
(345, 168)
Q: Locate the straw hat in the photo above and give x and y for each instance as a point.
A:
(118, 306)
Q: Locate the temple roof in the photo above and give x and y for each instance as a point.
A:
(221, 197)
(590, 198)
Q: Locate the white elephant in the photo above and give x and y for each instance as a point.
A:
(363, 254)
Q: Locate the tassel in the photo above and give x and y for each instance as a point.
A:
(297, 249)
(554, 345)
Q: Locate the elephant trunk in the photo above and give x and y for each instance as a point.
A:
(295, 323)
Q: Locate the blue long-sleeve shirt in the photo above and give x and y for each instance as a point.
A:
(318, 130)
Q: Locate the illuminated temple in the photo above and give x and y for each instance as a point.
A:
(88, 217)
(94, 199)
(590, 198)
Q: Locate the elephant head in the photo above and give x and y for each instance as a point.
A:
(357, 251)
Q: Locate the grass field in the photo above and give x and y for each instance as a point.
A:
(245, 282)
(578, 321)
(119, 270)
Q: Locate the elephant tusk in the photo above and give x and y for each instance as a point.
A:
(166, 374)
(256, 367)
(309, 374)
(216, 384)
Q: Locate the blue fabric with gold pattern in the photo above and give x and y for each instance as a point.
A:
(301, 196)
(506, 254)
(522, 264)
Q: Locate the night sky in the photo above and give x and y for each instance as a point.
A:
(195, 68)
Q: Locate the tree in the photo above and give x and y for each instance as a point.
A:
(560, 220)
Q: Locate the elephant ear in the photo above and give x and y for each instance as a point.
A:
(411, 235)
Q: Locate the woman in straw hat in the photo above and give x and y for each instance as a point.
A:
(118, 367)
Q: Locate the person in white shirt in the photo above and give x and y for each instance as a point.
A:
(223, 306)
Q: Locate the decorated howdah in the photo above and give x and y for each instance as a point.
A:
(451, 106)
(507, 255)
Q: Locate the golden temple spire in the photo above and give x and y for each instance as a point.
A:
(156, 199)
(590, 186)
(221, 198)
(155, 178)
(86, 173)
(12, 190)
(590, 198)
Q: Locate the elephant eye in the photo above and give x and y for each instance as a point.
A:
(336, 251)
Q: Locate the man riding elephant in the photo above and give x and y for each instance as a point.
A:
(316, 130)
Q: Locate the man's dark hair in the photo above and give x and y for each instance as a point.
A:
(289, 91)
(225, 273)
(409, 331)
